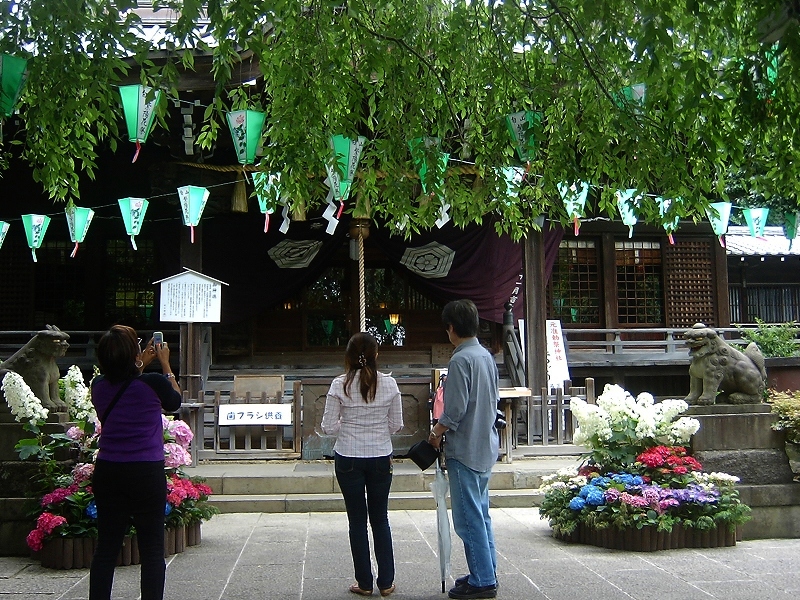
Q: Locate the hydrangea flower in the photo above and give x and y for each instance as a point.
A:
(21, 400)
(78, 397)
(577, 503)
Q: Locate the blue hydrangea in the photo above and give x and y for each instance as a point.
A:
(577, 503)
(91, 510)
(601, 482)
(595, 497)
(167, 509)
(588, 489)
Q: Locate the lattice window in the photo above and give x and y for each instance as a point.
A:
(639, 274)
(575, 284)
(689, 278)
(130, 294)
(60, 286)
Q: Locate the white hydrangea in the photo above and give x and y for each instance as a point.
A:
(683, 429)
(21, 400)
(646, 425)
(592, 419)
(77, 396)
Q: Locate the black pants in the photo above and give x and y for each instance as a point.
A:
(125, 491)
(365, 484)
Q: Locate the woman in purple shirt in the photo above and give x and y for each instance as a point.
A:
(129, 480)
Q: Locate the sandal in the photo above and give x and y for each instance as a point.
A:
(386, 591)
(361, 592)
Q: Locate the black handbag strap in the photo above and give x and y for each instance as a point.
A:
(114, 401)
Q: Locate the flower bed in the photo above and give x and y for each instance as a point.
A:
(639, 489)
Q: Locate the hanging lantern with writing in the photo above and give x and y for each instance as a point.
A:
(268, 194)
(13, 73)
(669, 224)
(4, 227)
(523, 126)
(626, 203)
(193, 200)
(78, 221)
(756, 220)
(35, 228)
(246, 126)
(133, 211)
(139, 106)
(343, 165)
(574, 198)
(790, 226)
(719, 213)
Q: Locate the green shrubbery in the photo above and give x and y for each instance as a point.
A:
(773, 339)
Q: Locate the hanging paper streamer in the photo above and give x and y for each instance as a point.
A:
(286, 219)
(78, 221)
(789, 227)
(444, 215)
(35, 228)
(4, 227)
(13, 73)
(574, 198)
(756, 220)
(330, 215)
(246, 126)
(664, 205)
(268, 194)
(343, 165)
(419, 149)
(523, 127)
(133, 211)
(625, 204)
(139, 112)
(719, 213)
(193, 200)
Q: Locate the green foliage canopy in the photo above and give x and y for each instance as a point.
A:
(396, 70)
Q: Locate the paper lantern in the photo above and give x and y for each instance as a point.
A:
(35, 228)
(139, 112)
(574, 198)
(523, 127)
(420, 147)
(343, 165)
(4, 227)
(789, 227)
(78, 221)
(13, 73)
(193, 201)
(625, 203)
(246, 126)
(133, 211)
(756, 220)
(669, 225)
(719, 213)
(268, 193)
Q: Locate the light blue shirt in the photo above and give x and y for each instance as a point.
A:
(471, 394)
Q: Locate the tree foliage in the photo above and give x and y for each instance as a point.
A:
(395, 70)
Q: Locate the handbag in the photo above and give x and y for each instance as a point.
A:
(423, 454)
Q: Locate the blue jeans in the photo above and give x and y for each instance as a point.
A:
(373, 476)
(469, 499)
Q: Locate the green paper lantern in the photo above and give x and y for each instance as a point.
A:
(78, 221)
(669, 225)
(574, 198)
(246, 126)
(4, 227)
(789, 226)
(756, 220)
(626, 201)
(35, 229)
(133, 211)
(632, 94)
(420, 148)
(523, 127)
(342, 169)
(193, 200)
(13, 73)
(719, 213)
(139, 112)
(268, 193)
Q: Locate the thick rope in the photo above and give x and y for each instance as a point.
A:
(362, 300)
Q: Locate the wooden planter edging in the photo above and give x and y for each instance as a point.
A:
(76, 553)
(647, 539)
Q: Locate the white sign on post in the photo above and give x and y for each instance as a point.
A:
(557, 367)
(191, 297)
(255, 414)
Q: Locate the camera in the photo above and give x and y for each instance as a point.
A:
(500, 420)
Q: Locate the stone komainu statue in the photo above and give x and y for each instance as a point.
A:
(36, 363)
(718, 367)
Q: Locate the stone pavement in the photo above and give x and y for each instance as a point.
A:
(305, 556)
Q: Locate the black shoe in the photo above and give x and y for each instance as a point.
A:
(470, 591)
(465, 579)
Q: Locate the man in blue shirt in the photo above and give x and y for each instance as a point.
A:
(470, 406)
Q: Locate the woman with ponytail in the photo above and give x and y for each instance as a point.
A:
(363, 409)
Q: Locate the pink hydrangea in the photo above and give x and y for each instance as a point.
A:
(75, 433)
(203, 489)
(35, 539)
(82, 472)
(165, 423)
(612, 494)
(58, 495)
(175, 455)
(632, 500)
(47, 522)
(181, 432)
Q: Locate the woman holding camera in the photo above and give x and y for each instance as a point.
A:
(363, 409)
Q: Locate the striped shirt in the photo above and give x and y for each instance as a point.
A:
(363, 430)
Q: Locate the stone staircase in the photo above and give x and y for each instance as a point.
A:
(310, 486)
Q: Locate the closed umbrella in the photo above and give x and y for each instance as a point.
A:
(440, 487)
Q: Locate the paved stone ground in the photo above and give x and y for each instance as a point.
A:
(305, 556)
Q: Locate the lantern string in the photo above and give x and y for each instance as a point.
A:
(74, 251)
(138, 149)
(266, 222)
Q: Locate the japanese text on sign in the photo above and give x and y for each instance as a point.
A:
(190, 301)
(557, 367)
(255, 414)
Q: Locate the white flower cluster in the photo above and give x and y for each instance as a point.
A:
(77, 396)
(721, 480)
(21, 400)
(618, 411)
(563, 478)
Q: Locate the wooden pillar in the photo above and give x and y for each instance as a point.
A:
(191, 255)
(535, 310)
